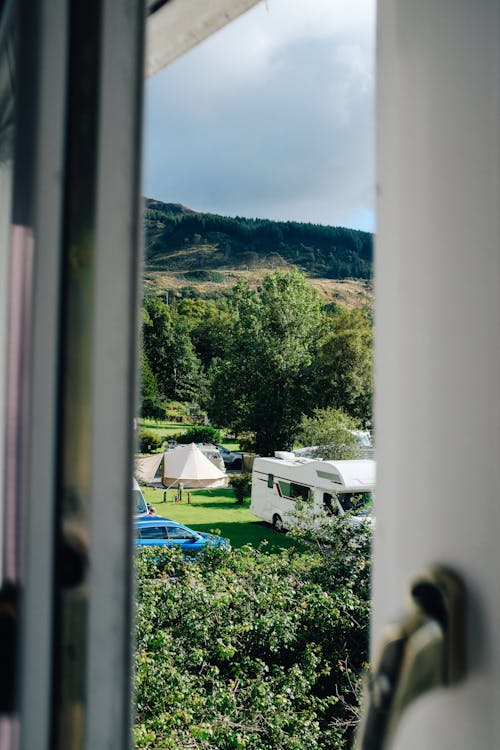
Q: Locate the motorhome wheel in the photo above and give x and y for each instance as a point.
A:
(277, 523)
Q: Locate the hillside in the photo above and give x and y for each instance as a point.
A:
(206, 252)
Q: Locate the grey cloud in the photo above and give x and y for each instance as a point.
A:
(296, 144)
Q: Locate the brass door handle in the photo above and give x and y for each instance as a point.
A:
(425, 650)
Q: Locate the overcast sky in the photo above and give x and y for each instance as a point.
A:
(271, 117)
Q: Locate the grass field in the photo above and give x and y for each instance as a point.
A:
(215, 510)
(168, 429)
(349, 292)
(163, 428)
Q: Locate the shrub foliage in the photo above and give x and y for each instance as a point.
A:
(246, 649)
(242, 486)
(149, 442)
(200, 434)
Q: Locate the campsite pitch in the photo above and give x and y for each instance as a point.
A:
(216, 510)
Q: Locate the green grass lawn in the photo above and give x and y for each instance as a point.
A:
(216, 510)
(168, 429)
(163, 429)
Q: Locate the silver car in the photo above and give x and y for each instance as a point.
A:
(231, 459)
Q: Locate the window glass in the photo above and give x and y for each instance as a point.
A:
(300, 492)
(153, 532)
(176, 532)
(285, 488)
(330, 504)
(245, 191)
(138, 502)
(358, 502)
(295, 491)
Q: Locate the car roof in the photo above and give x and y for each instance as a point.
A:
(148, 520)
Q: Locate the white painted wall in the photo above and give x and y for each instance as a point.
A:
(438, 337)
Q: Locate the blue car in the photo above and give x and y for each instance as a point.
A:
(157, 531)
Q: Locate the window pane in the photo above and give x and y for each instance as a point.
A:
(153, 532)
(174, 532)
(300, 492)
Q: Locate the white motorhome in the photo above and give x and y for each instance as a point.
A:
(139, 503)
(334, 487)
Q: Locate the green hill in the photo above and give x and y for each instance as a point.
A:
(202, 247)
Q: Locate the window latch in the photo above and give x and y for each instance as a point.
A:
(423, 651)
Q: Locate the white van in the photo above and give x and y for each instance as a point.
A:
(138, 502)
(362, 439)
(332, 487)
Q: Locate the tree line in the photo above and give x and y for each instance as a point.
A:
(221, 241)
(258, 360)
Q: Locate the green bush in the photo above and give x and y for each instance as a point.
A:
(242, 486)
(176, 411)
(204, 275)
(149, 442)
(152, 408)
(200, 434)
(245, 649)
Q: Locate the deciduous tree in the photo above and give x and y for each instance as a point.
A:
(330, 433)
(345, 372)
(267, 379)
(170, 352)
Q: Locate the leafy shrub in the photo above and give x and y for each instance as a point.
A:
(176, 411)
(205, 275)
(242, 486)
(246, 441)
(250, 650)
(152, 408)
(200, 434)
(149, 442)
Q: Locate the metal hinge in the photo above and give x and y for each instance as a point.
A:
(423, 651)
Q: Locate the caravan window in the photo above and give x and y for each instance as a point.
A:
(358, 502)
(300, 492)
(329, 504)
(284, 488)
(270, 481)
(295, 491)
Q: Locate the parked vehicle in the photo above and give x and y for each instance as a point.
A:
(362, 439)
(139, 503)
(213, 453)
(163, 532)
(329, 487)
(364, 442)
(231, 459)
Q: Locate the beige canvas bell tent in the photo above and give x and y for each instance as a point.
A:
(145, 467)
(187, 464)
